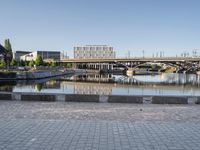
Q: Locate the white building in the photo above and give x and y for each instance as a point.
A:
(46, 55)
(94, 51)
(17, 54)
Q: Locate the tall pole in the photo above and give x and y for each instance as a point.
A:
(143, 53)
(128, 54)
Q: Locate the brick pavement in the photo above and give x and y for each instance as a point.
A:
(50, 133)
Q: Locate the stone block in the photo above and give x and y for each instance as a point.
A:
(81, 98)
(38, 97)
(16, 96)
(60, 97)
(5, 96)
(125, 99)
(197, 100)
(169, 100)
(103, 98)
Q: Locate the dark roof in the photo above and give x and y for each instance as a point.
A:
(2, 50)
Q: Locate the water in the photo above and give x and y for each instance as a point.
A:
(108, 84)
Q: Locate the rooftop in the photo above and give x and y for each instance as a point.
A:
(90, 45)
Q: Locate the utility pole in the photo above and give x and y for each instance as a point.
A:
(195, 52)
(129, 54)
(156, 54)
(143, 53)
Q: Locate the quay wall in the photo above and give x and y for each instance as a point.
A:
(36, 74)
(50, 97)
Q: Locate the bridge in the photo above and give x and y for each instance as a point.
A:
(108, 64)
(135, 59)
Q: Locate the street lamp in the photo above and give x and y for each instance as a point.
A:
(143, 53)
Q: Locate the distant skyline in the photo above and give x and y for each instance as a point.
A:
(170, 26)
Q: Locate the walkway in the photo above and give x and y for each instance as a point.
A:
(85, 126)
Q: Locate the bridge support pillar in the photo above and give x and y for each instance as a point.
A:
(110, 67)
(74, 65)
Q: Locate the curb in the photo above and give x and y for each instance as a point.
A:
(137, 99)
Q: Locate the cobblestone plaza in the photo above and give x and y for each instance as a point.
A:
(85, 126)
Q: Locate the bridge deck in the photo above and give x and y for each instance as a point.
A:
(135, 59)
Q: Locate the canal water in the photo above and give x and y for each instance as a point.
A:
(109, 84)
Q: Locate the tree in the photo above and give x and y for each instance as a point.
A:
(48, 63)
(3, 63)
(31, 63)
(39, 61)
(21, 63)
(13, 62)
(53, 64)
(8, 46)
(39, 86)
(69, 65)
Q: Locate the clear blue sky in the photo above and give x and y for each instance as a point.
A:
(172, 26)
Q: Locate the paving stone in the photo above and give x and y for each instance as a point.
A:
(51, 126)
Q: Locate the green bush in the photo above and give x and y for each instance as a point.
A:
(13, 62)
(21, 63)
(3, 63)
(39, 61)
(31, 63)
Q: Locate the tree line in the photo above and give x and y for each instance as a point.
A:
(8, 59)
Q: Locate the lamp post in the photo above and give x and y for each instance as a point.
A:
(143, 53)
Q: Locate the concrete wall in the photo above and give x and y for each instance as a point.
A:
(169, 100)
(125, 99)
(8, 75)
(81, 98)
(41, 97)
(44, 74)
(37, 74)
(98, 98)
(198, 100)
(5, 96)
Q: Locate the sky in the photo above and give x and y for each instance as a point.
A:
(170, 26)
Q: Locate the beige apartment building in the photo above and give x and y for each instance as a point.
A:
(94, 51)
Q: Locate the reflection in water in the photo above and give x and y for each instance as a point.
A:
(92, 89)
(7, 85)
(51, 84)
(179, 79)
(108, 84)
(102, 78)
(38, 86)
(162, 79)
